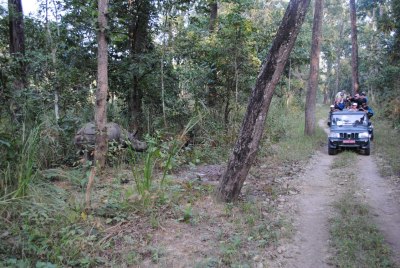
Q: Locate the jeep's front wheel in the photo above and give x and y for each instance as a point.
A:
(331, 151)
(367, 151)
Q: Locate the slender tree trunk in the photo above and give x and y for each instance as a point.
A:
(102, 88)
(354, 48)
(101, 145)
(162, 68)
(314, 69)
(53, 49)
(338, 52)
(212, 91)
(250, 135)
(395, 54)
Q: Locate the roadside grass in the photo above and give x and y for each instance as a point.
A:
(387, 146)
(354, 238)
(284, 137)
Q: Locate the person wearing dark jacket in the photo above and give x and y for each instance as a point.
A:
(365, 108)
(357, 99)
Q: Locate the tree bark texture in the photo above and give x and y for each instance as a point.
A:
(314, 69)
(17, 33)
(354, 48)
(246, 146)
(138, 34)
(102, 88)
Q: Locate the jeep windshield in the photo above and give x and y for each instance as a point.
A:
(349, 120)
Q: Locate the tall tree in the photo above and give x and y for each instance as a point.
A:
(314, 69)
(246, 146)
(354, 47)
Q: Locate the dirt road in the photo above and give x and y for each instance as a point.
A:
(318, 191)
(385, 205)
(311, 241)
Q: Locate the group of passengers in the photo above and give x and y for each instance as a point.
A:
(359, 102)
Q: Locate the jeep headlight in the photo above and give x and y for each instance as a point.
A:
(334, 135)
(363, 135)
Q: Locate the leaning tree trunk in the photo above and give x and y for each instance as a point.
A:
(314, 69)
(354, 48)
(253, 124)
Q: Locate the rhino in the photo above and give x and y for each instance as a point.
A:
(86, 137)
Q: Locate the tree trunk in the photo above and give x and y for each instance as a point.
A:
(253, 124)
(54, 61)
(102, 88)
(354, 48)
(212, 90)
(16, 27)
(135, 105)
(213, 16)
(338, 52)
(138, 34)
(17, 51)
(314, 69)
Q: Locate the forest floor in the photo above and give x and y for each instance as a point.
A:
(296, 212)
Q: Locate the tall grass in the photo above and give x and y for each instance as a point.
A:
(27, 165)
(284, 133)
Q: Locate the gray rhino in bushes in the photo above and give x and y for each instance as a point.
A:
(86, 136)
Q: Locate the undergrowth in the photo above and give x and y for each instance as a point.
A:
(386, 144)
(47, 225)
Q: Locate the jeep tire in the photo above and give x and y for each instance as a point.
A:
(332, 151)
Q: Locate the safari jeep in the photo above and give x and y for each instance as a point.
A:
(349, 130)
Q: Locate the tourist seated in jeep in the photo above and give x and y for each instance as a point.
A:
(366, 109)
(353, 107)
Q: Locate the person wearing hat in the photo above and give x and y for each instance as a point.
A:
(340, 101)
(332, 109)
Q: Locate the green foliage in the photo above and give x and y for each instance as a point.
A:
(144, 177)
(285, 127)
(387, 145)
